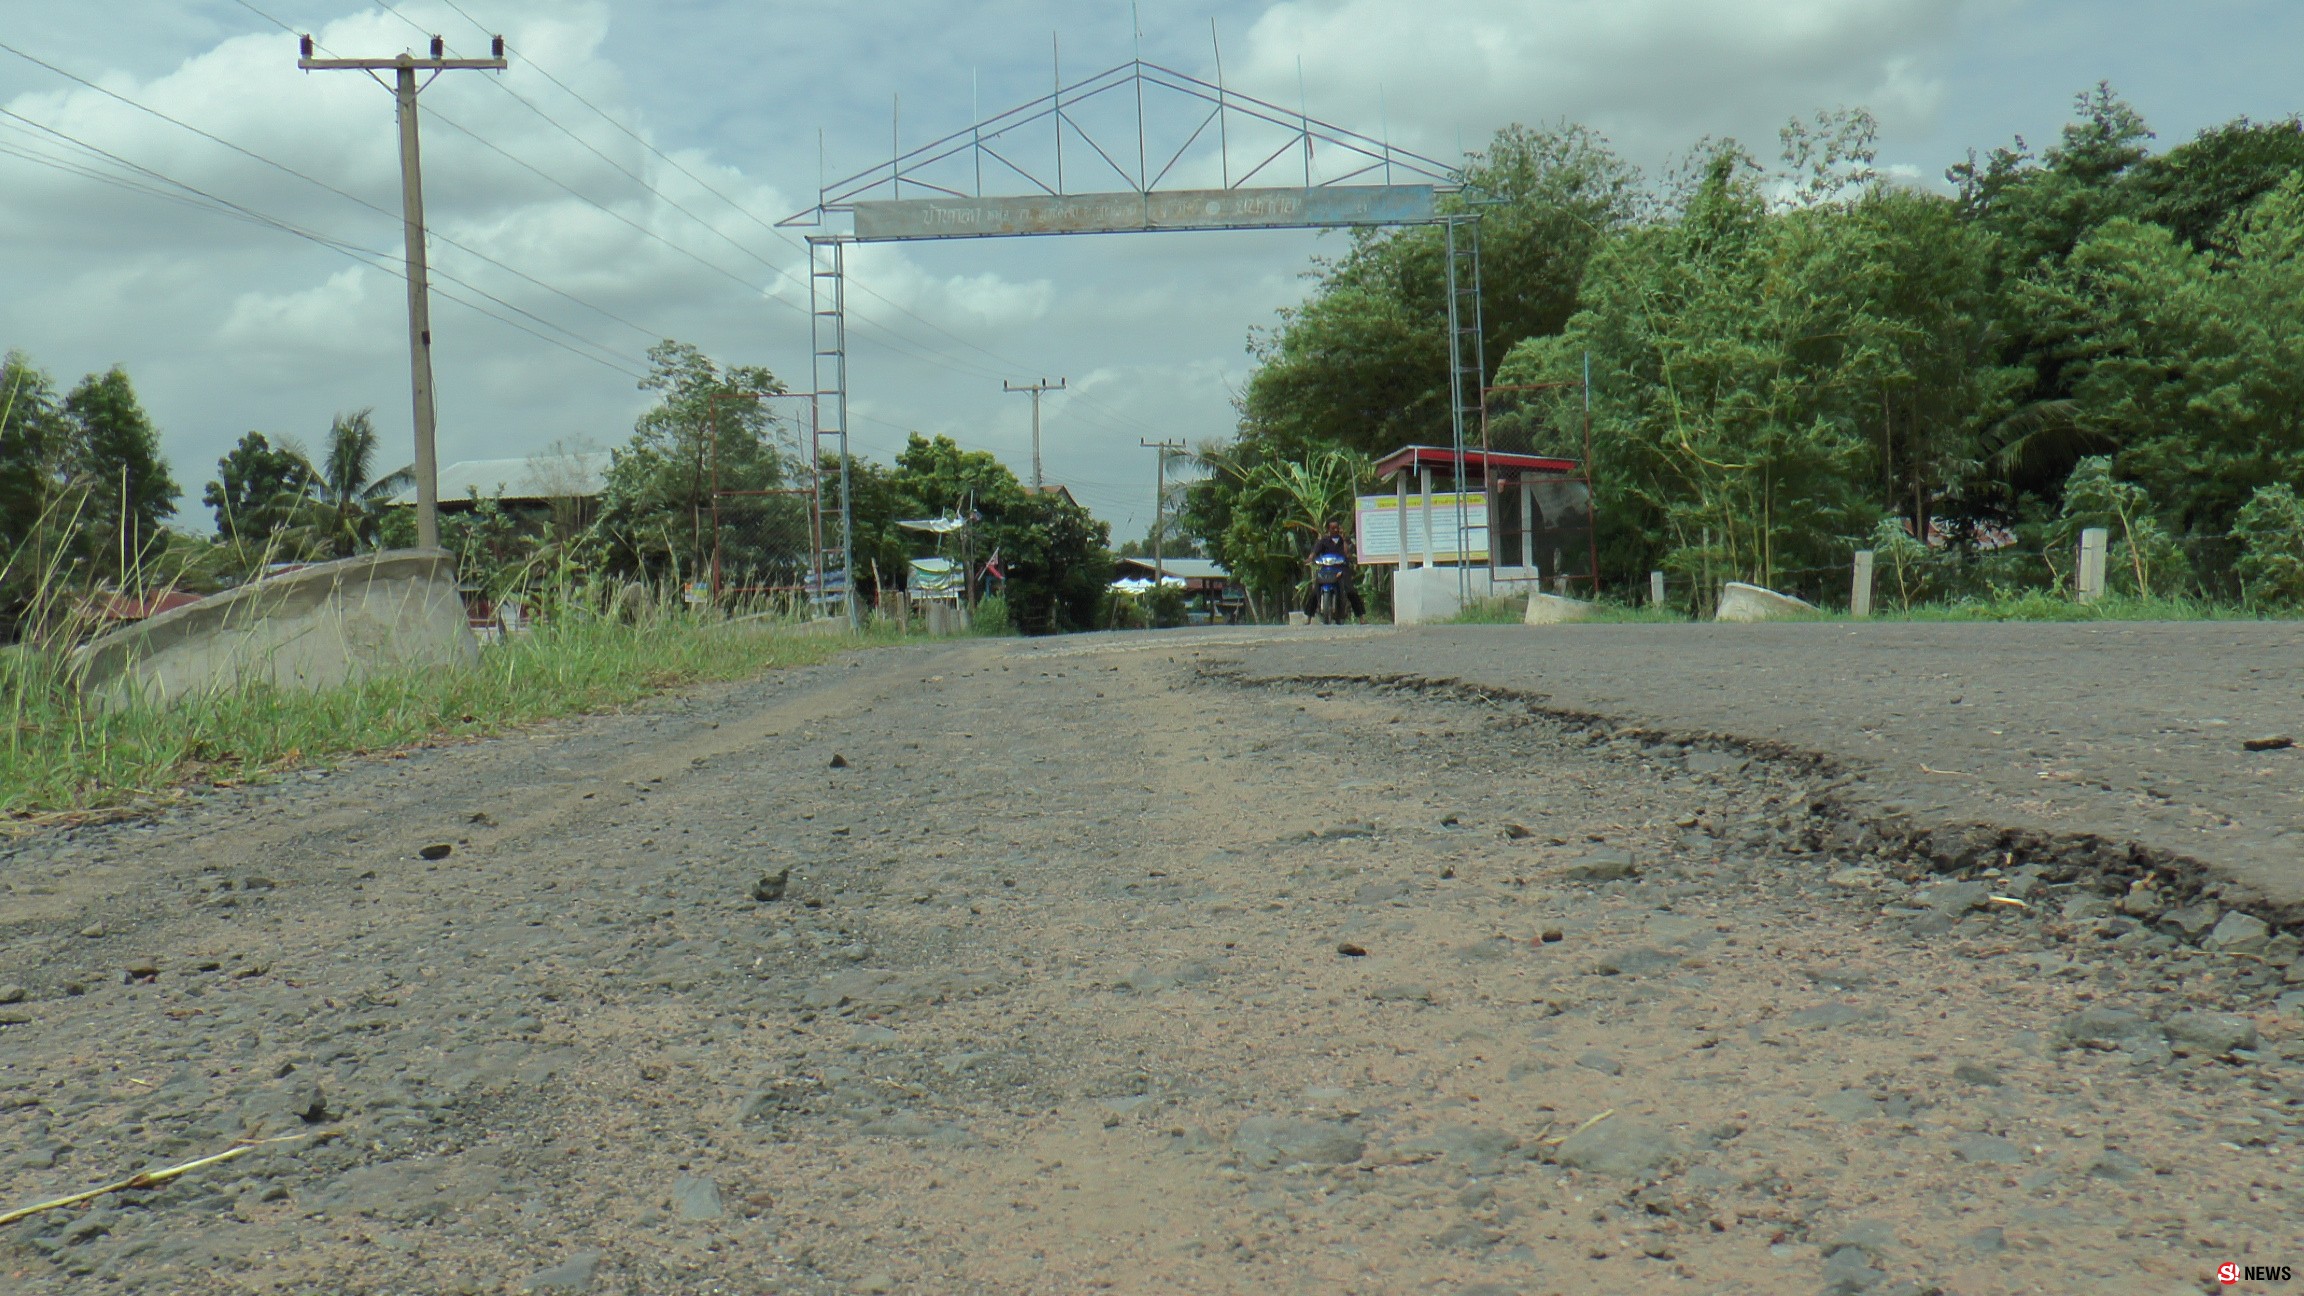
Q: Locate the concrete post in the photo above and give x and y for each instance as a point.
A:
(1427, 484)
(2091, 574)
(1400, 480)
(1527, 525)
(1655, 589)
(1860, 593)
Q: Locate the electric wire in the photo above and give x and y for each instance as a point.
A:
(1113, 418)
(1095, 413)
(341, 193)
(375, 260)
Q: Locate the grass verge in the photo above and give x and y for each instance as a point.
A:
(1509, 609)
(64, 759)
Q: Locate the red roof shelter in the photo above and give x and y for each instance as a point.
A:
(1479, 465)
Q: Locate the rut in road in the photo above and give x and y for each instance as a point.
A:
(1095, 971)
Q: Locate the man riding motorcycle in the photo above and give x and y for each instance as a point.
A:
(1332, 542)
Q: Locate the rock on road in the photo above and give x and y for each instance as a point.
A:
(1112, 964)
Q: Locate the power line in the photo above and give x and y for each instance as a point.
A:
(240, 211)
(285, 169)
(1117, 419)
(1092, 411)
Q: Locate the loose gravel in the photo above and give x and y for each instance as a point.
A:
(1127, 964)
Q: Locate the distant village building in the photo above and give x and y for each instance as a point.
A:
(536, 481)
(1197, 575)
(1061, 492)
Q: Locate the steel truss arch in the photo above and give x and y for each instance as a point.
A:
(1362, 180)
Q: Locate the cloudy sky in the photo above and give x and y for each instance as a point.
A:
(621, 182)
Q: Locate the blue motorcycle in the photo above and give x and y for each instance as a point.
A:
(1329, 572)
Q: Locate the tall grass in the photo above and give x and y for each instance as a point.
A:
(1509, 609)
(64, 755)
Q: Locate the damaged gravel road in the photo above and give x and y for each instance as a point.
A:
(1089, 965)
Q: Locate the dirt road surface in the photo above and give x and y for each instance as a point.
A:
(1160, 964)
(2136, 733)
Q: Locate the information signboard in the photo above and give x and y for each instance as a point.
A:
(1378, 530)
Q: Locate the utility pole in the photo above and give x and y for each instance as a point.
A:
(404, 92)
(1160, 500)
(1035, 388)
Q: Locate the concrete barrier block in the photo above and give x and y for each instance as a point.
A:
(1552, 609)
(1742, 602)
(312, 628)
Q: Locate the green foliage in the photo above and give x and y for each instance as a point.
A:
(126, 491)
(1903, 569)
(2270, 529)
(2194, 188)
(2142, 559)
(991, 617)
(1122, 611)
(31, 432)
(83, 488)
(1260, 513)
(1054, 551)
(1164, 607)
(1766, 384)
(705, 433)
(1058, 563)
(260, 491)
(1364, 364)
(352, 497)
(2180, 362)
(1791, 363)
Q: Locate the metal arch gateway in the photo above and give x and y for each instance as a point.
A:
(1348, 179)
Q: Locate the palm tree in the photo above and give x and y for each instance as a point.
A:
(351, 503)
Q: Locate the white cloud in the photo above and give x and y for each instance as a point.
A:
(1654, 74)
(309, 321)
(227, 326)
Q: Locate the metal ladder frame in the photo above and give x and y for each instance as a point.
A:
(1465, 380)
(828, 378)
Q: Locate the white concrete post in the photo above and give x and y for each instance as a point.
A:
(1427, 482)
(1655, 589)
(1527, 525)
(1400, 480)
(2091, 583)
(1860, 594)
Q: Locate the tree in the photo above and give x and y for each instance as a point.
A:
(2194, 188)
(1261, 514)
(2039, 208)
(2179, 363)
(2270, 529)
(260, 491)
(125, 489)
(1364, 362)
(352, 498)
(2143, 558)
(705, 430)
(33, 437)
(1057, 561)
(1053, 551)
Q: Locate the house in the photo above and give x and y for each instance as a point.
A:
(1198, 575)
(537, 480)
(128, 608)
(1061, 492)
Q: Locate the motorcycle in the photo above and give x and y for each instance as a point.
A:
(1329, 572)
